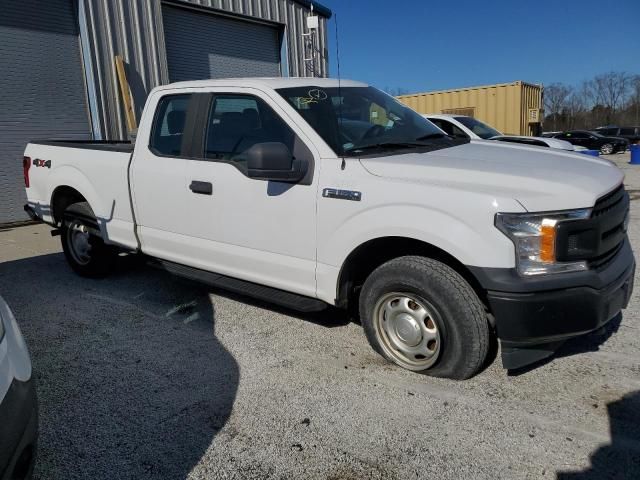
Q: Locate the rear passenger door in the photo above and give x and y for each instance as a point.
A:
(256, 230)
(158, 176)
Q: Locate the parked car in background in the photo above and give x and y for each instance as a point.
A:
(18, 406)
(632, 134)
(308, 192)
(594, 141)
(461, 126)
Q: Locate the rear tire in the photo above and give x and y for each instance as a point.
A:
(422, 315)
(84, 249)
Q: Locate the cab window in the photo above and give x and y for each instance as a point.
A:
(448, 127)
(168, 127)
(237, 122)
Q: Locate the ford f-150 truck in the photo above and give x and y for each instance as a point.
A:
(308, 192)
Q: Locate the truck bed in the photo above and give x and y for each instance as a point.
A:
(106, 145)
(97, 170)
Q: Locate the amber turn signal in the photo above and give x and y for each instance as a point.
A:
(548, 241)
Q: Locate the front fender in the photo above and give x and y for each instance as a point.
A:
(475, 242)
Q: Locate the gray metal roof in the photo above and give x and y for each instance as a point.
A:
(321, 9)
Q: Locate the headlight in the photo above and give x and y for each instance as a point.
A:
(534, 236)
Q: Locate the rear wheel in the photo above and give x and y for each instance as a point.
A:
(422, 315)
(606, 149)
(84, 249)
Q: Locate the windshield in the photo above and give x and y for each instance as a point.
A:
(353, 120)
(476, 126)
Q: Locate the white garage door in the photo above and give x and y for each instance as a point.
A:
(201, 45)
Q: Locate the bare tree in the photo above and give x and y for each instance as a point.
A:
(575, 110)
(634, 103)
(555, 96)
(611, 91)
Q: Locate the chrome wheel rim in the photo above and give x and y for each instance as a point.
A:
(78, 243)
(606, 149)
(408, 328)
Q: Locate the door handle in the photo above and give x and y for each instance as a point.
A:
(203, 188)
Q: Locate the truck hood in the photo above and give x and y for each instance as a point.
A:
(540, 179)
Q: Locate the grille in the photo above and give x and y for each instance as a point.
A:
(610, 207)
(608, 202)
(602, 261)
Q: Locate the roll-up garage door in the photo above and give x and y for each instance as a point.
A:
(42, 92)
(204, 45)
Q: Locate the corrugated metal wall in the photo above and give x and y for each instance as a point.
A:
(133, 29)
(531, 100)
(504, 106)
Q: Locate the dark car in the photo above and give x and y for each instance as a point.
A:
(594, 141)
(632, 134)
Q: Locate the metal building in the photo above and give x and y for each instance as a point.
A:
(513, 108)
(58, 76)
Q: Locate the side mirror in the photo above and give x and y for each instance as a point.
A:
(274, 161)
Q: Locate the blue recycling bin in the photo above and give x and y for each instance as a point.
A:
(593, 153)
(635, 154)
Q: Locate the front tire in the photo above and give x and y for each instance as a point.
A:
(84, 249)
(422, 315)
(606, 149)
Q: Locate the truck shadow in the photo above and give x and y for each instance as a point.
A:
(586, 343)
(132, 381)
(621, 458)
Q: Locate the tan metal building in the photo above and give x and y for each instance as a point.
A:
(513, 108)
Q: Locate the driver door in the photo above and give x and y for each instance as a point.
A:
(255, 230)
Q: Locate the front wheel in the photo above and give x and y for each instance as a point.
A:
(422, 315)
(606, 149)
(84, 249)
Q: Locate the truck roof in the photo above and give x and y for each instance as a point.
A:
(262, 82)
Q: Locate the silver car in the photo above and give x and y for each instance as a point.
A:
(18, 405)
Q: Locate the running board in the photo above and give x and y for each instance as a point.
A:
(260, 292)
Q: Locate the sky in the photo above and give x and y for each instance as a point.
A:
(422, 45)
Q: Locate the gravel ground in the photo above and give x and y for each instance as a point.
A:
(143, 375)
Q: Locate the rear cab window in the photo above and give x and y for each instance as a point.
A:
(168, 125)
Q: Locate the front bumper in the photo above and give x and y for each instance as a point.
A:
(621, 147)
(534, 316)
(18, 431)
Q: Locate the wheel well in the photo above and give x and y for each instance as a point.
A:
(63, 197)
(370, 255)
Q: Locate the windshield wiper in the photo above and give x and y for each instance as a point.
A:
(385, 145)
(429, 136)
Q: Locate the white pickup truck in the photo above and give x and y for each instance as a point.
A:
(308, 192)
